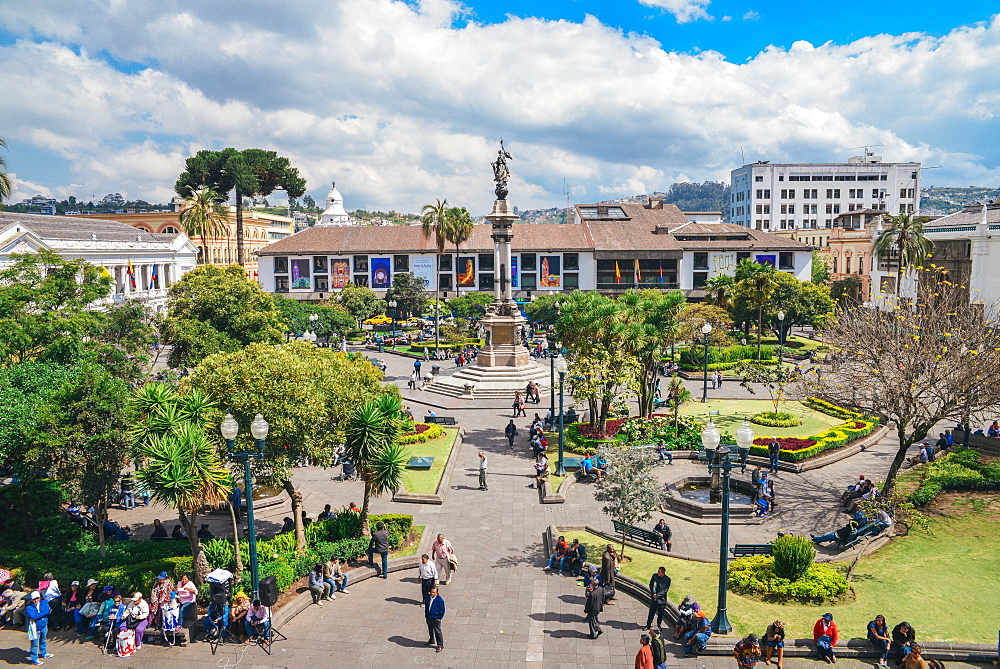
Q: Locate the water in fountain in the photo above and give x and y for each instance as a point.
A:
(701, 493)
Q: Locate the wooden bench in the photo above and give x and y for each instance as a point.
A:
(648, 537)
(420, 463)
(552, 422)
(441, 420)
(868, 529)
(745, 550)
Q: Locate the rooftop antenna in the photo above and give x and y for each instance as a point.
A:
(868, 152)
(742, 156)
(567, 191)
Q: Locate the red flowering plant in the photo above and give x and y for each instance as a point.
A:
(786, 443)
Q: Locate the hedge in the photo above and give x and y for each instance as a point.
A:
(722, 366)
(421, 432)
(960, 470)
(755, 576)
(695, 356)
(418, 347)
(835, 437)
(831, 409)
(776, 419)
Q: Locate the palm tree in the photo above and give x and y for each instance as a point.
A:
(204, 216)
(458, 229)
(906, 237)
(372, 431)
(677, 395)
(5, 184)
(182, 469)
(756, 282)
(720, 289)
(433, 223)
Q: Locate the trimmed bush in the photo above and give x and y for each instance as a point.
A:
(421, 432)
(831, 409)
(756, 576)
(793, 556)
(776, 419)
(960, 470)
(695, 356)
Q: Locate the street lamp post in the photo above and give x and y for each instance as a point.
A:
(312, 324)
(719, 460)
(781, 338)
(552, 376)
(562, 368)
(392, 306)
(706, 330)
(258, 428)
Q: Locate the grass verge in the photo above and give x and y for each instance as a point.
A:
(425, 481)
(732, 412)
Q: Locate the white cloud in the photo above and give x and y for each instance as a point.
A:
(684, 11)
(751, 15)
(400, 107)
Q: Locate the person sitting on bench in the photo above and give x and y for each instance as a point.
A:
(843, 534)
(216, 619)
(664, 453)
(665, 533)
(541, 471)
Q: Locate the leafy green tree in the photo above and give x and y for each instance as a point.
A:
(677, 395)
(694, 315)
(182, 469)
(905, 242)
(332, 318)
(630, 491)
(651, 326)
(470, 305)
(803, 302)
(820, 269)
(409, 293)
(213, 309)
(305, 393)
(373, 429)
(544, 308)
(361, 302)
(755, 283)
(5, 185)
(251, 173)
(204, 216)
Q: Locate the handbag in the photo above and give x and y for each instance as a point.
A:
(90, 609)
(131, 623)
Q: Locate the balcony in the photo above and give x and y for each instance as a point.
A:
(614, 285)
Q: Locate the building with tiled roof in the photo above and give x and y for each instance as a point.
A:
(610, 248)
(157, 260)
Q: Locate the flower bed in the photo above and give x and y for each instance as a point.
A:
(421, 432)
(582, 438)
(803, 449)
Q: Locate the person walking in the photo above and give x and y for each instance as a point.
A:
(434, 613)
(773, 451)
(747, 652)
(427, 574)
(128, 491)
(412, 383)
(593, 607)
(659, 584)
(379, 544)
(442, 550)
(482, 471)
(37, 613)
(644, 658)
(659, 649)
(510, 431)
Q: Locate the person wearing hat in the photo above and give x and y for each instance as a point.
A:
(113, 609)
(747, 652)
(592, 577)
(774, 642)
(238, 614)
(88, 615)
(697, 637)
(204, 532)
(825, 636)
(160, 596)
(37, 612)
(659, 649)
(593, 607)
(13, 605)
(136, 617)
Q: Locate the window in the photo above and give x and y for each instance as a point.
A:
(701, 260)
(834, 264)
(401, 263)
(799, 178)
(486, 263)
(781, 177)
(446, 263)
(810, 193)
(530, 282)
(767, 209)
(361, 265)
(836, 208)
(700, 279)
(528, 261)
(571, 281)
(833, 193)
(319, 264)
(571, 261)
(445, 282)
(829, 208)
(281, 284)
(825, 177)
(785, 260)
(361, 280)
(760, 178)
(322, 283)
(845, 177)
(741, 256)
(877, 193)
(485, 281)
(280, 265)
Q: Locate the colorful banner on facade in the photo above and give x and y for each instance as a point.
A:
(423, 269)
(513, 273)
(340, 272)
(300, 274)
(551, 276)
(466, 272)
(771, 260)
(381, 273)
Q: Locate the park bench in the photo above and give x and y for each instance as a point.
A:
(441, 420)
(745, 550)
(648, 537)
(859, 534)
(569, 418)
(420, 463)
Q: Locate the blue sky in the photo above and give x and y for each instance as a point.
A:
(404, 102)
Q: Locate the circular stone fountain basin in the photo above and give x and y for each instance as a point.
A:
(690, 496)
(702, 494)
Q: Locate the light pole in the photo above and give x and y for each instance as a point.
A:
(392, 306)
(781, 338)
(706, 330)
(718, 459)
(562, 368)
(258, 428)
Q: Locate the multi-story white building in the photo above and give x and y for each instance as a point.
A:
(809, 196)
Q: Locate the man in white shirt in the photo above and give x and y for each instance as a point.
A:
(428, 576)
(482, 471)
(258, 620)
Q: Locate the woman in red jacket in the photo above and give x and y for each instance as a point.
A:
(825, 636)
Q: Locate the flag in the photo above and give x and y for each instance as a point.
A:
(131, 274)
(661, 271)
(152, 277)
(638, 273)
(618, 273)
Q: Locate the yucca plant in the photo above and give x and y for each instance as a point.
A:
(371, 441)
(793, 556)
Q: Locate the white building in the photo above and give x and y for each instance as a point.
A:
(334, 214)
(808, 196)
(157, 260)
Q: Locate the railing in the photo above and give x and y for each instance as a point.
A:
(625, 285)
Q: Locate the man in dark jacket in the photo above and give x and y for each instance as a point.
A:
(434, 613)
(659, 649)
(593, 608)
(380, 544)
(659, 584)
(511, 433)
(578, 553)
(159, 531)
(903, 637)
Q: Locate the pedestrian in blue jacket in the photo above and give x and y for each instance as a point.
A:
(38, 627)
(434, 612)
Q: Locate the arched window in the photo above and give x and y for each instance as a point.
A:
(170, 230)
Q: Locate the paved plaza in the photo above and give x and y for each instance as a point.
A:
(503, 610)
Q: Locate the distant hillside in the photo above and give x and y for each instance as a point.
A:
(949, 199)
(707, 196)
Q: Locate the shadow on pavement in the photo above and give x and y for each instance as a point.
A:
(402, 600)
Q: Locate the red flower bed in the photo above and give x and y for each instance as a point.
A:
(418, 428)
(610, 429)
(786, 443)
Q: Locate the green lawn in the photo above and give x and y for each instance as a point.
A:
(412, 543)
(426, 481)
(793, 344)
(919, 578)
(732, 413)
